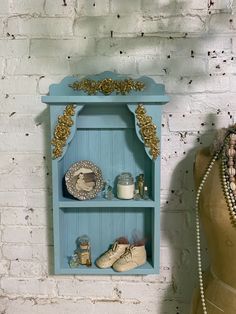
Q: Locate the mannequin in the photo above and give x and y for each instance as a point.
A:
(220, 280)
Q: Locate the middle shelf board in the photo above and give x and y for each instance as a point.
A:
(101, 202)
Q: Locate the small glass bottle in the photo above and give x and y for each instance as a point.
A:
(137, 196)
(140, 184)
(109, 195)
(84, 251)
(145, 193)
(74, 261)
(125, 186)
(108, 191)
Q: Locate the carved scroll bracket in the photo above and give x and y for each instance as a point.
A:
(148, 131)
(62, 131)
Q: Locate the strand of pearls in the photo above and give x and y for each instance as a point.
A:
(229, 172)
(228, 166)
(198, 231)
(229, 195)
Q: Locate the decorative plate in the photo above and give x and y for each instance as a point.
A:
(84, 180)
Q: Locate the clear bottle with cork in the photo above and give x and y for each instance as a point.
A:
(84, 251)
(145, 193)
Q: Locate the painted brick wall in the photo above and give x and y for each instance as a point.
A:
(188, 45)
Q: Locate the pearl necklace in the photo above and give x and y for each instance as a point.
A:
(228, 177)
(228, 173)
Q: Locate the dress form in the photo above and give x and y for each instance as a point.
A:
(220, 280)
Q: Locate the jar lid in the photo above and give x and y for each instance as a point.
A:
(125, 175)
(125, 178)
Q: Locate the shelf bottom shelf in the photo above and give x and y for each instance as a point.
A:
(145, 269)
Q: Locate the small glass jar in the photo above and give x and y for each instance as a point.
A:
(125, 186)
(84, 250)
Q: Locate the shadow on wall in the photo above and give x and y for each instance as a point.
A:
(163, 41)
(44, 118)
(178, 229)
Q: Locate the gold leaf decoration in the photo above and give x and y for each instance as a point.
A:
(108, 86)
(62, 130)
(148, 131)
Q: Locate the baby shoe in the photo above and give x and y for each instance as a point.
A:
(113, 254)
(133, 257)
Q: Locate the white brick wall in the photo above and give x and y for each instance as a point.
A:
(27, 26)
(93, 8)
(185, 45)
(26, 6)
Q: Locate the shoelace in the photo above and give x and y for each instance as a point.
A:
(112, 249)
(128, 253)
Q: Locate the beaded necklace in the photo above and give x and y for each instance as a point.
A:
(228, 172)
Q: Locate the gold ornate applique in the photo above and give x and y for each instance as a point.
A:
(62, 130)
(108, 86)
(148, 131)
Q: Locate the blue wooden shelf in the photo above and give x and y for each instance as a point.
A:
(106, 132)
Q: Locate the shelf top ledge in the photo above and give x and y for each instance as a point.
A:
(64, 100)
(63, 93)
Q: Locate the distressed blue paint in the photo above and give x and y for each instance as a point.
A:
(109, 136)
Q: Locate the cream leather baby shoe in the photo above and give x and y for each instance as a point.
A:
(134, 256)
(112, 255)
